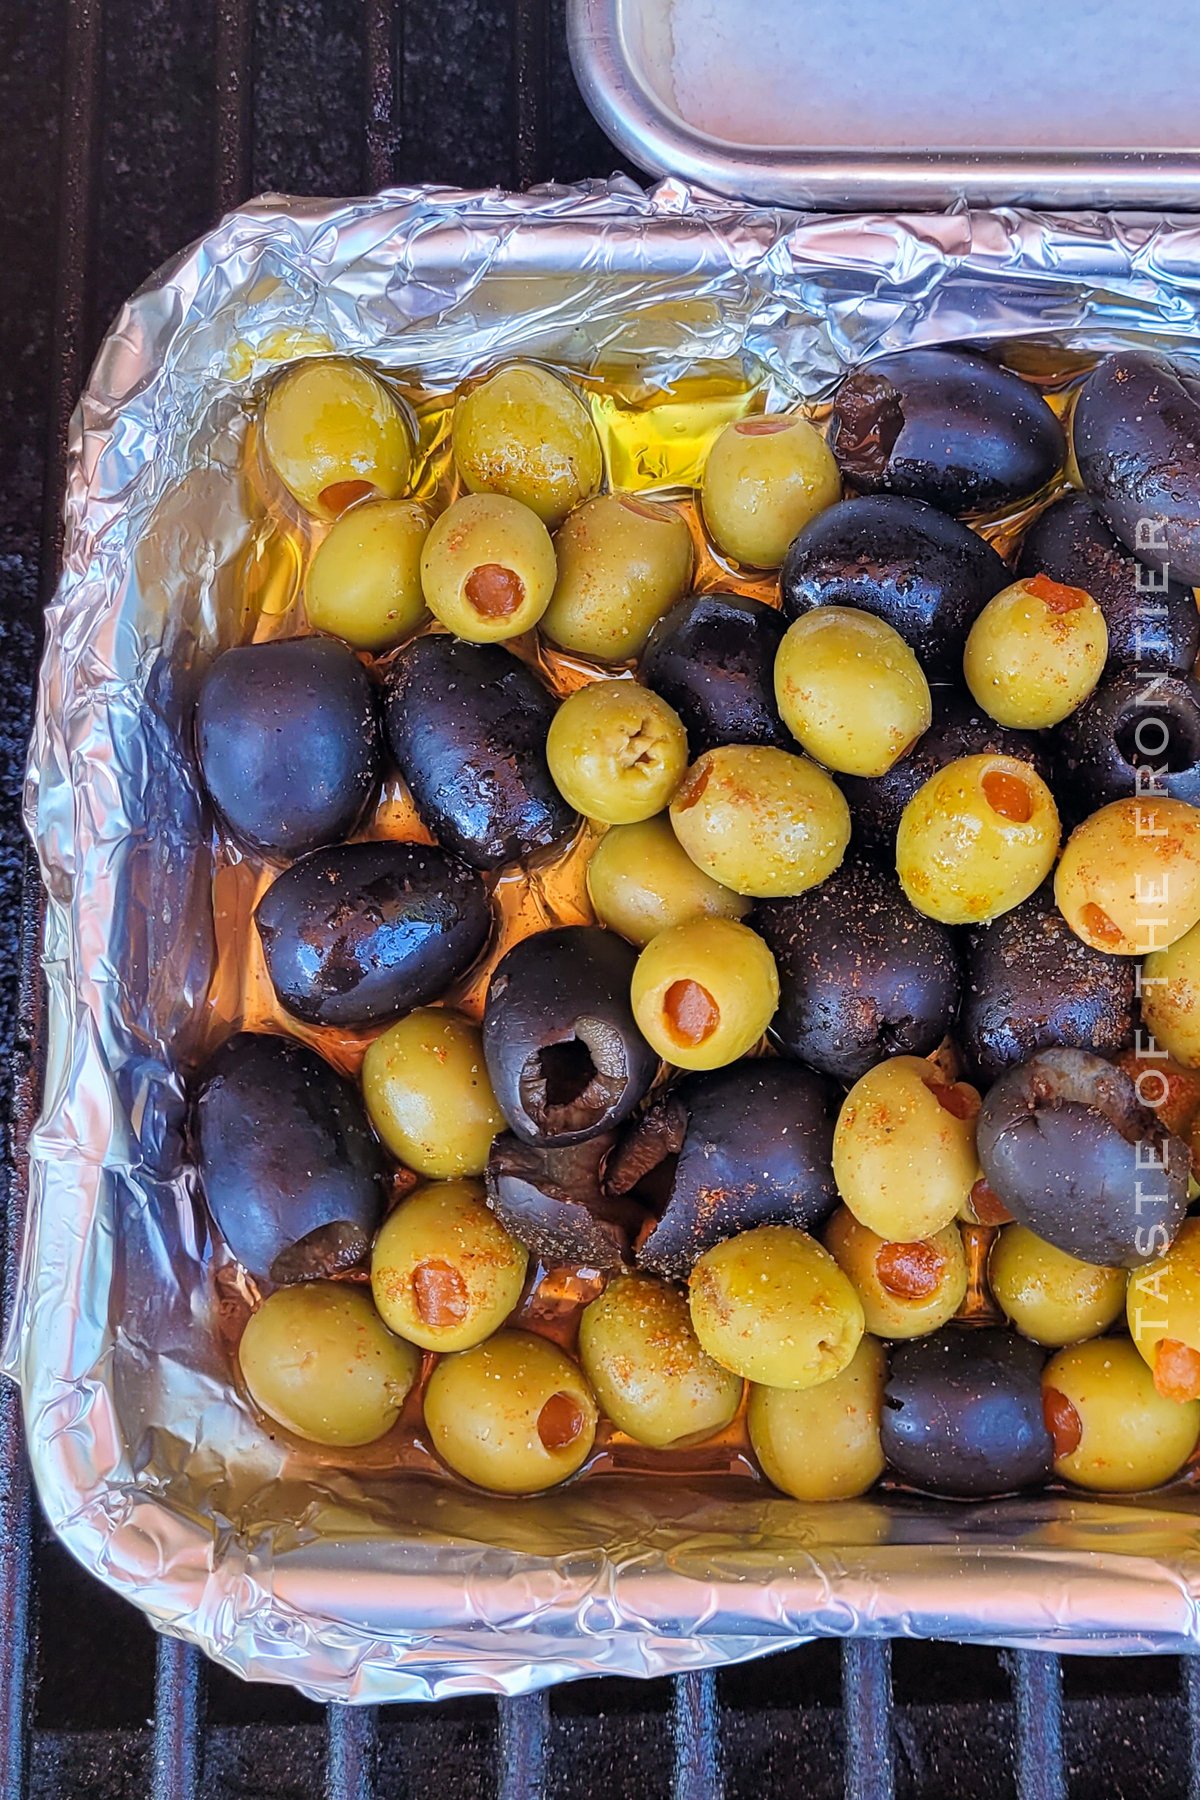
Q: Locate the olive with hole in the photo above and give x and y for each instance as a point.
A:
(289, 1167)
(357, 934)
(467, 725)
(564, 1053)
(319, 1361)
(622, 563)
(1114, 1433)
(647, 1369)
(703, 993)
(976, 839)
(334, 435)
(827, 659)
(907, 1289)
(712, 657)
(1049, 1296)
(1162, 1308)
(904, 1148)
(945, 426)
(1128, 880)
(617, 752)
(640, 880)
(513, 1414)
(922, 572)
(1134, 736)
(555, 1199)
(1035, 653)
(444, 1272)
(428, 1094)
(764, 479)
(862, 974)
(364, 584)
(772, 1305)
(287, 734)
(962, 1414)
(823, 1443)
(527, 434)
(487, 568)
(761, 821)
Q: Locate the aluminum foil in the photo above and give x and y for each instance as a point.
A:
(350, 1585)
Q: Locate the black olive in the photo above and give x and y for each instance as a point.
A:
(1066, 1146)
(467, 724)
(947, 427)
(960, 728)
(554, 1202)
(288, 740)
(361, 933)
(1136, 433)
(962, 1414)
(564, 1054)
(862, 974)
(1151, 625)
(753, 1145)
(924, 573)
(1032, 985)
(1137, 733)
(712, 657)
(291, 1170)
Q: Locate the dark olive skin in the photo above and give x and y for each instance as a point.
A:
(361, 933)
(1150, 626)
(754, 1146)
(467, 724)
(962, 1414)
(947, 427)
(564, 1054)
(1065, 1145)
(1136, 433)
(553, 1201)
(960, 728)
(862, 974)
(924, 573)
(1135, 734)
(712, 657)
(1031, 984)
(289, 745)
(292, 1172)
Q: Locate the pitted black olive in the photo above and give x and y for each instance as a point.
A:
(360, 933)
(1138, 733)
(1066, 1146)
(467, 724)
(290, 1169)
(288, 740)
(962, 1413)
(564, 1054)
(712, 658)
(554, 1202)
(947, 427)
(862, 974)
(924, 573)
(752, 1145)
(1153, 622)
(1136, 433)
(1032, 985)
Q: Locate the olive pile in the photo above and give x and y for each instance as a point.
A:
(843, 1104)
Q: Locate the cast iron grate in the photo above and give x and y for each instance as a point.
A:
(131, 123)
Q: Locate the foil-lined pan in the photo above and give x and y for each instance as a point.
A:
(351, 1584)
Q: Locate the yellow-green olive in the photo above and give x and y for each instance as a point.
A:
(1163, 1309)
(764, 479)
(365, 581)
(617, 752)
(319, 1360)
(427, 1090)
(646, 1366)
(444, 1272)
(514, 1414)
(622, 563)
(822, 1443)
(333, 434)
(907, 1289)
(1129, 877)
(1049, 1296)
(1170, 991)
(1113, 1432)
(830, 661)
(761, 821)
(487, 568)
(641, 880)
(526, 433)
(904, 1148)
(703, 993)
(1035, 652)
(772, 1305)
(976, 839)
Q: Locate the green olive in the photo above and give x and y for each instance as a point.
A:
(765, 478)
(772, 1305)
(616, 752)
(333, 434)
(822, 1443)
(907, 1289)
(1035, 653)
(1163, 1309)
(319, 1360)
(622, 562)
(427, 1090)
(703, 993)
(526, 433)
(641, 880)
(1051, 1297)
(1170, 991)
(761, 821)
(514, 1414)
(1113, 1432)
(444, 1272)
(365, 581)
(976, 839)
(904, 1149)
(827, 661)
(487, 569)
(1128, 880)
(646, 1366)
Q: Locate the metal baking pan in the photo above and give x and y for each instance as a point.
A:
(882, 86)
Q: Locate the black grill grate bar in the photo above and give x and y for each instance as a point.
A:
(1189, 1677)
(351, 1752)
(179, 1684)
(529, 90)
(868, 1719)
(696, 1733)
(522, 1733)
(232, 104)
(384, 62)
(1039, 1763)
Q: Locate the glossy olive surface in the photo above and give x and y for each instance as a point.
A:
(428, 1095)
(641, 881)
(712, 656)
(771, 1304)
(1136, 734)
(979, 837)
(467, 724)
(1114, 1432)
(291, 1170)
(319, 1361)
(944, 426)
(622, 562)
(513, 1414)
(1128, 879)
(359, 933)
(822, 1443)
(962, 1413)
(925, 574)
(1049, 1296)
(646, 1366)
(287, 735)
(1136, 435)
(554, 1199)
(444, 1272)
(703, 993)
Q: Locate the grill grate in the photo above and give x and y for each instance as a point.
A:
(337, 95)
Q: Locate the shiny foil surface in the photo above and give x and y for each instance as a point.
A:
(337, 1574)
